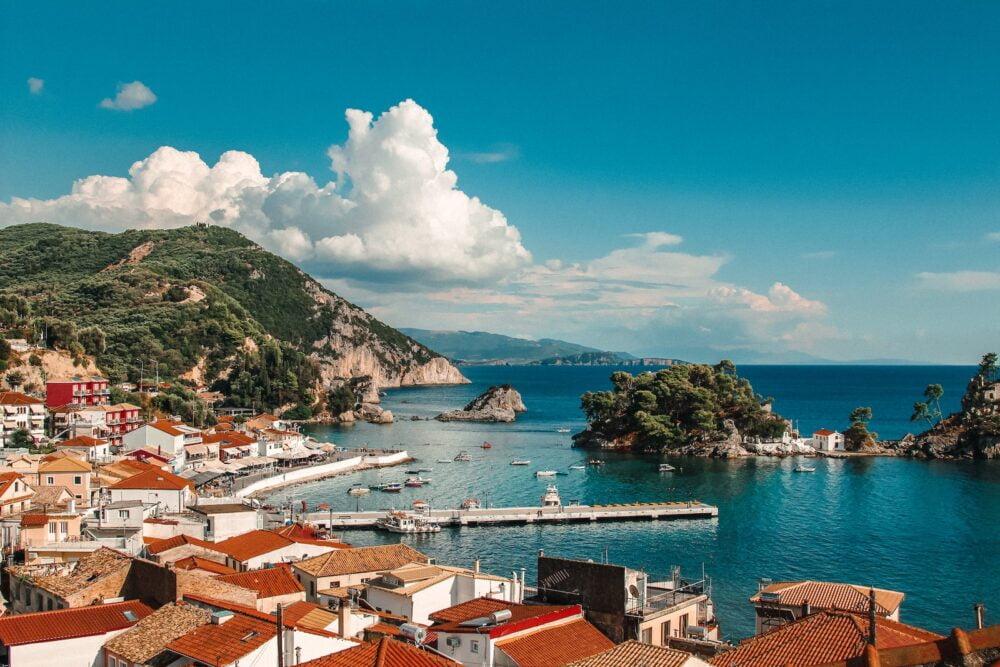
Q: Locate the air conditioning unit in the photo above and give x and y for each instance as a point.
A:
(696, 631)
(453, 641)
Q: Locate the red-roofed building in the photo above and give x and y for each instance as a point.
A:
(258, 548)
(200, 565)
(166, 436)
(15, 494)
(19, 411)
(77, 392)
(155, 487)
(232, 444)
(48, 638)
(178, 547)
(274, 586)
(781, 602)
(825, 440)
(95, 449)
(384, 653)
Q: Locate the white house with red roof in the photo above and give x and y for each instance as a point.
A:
(259, 548)
(166, 436)
(66, 636)
(95, 449)
(20, 411)
(15, 493)
(167, 491)
(825, 440)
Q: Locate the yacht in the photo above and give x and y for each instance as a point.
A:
(401, 522)
(666, 467)
(420, 505)
(425, 469)
(444, 460)
(463, 457)
(520, 462)
(551, 497)
(545, 473)
(596, 462)
(417, 481)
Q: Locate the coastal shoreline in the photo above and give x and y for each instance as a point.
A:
(268, 485)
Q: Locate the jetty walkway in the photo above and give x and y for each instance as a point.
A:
(529, 515)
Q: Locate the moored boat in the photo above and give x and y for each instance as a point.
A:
(401, 522)
(470, 504)
(562, 430)
(463, 457)
(551, 497)
(486, 445)
(596, 462)
(803, 468)
(666, 467)
(420, 505)
(545, 473)
(359, 491)
(390, 487)
(520, 462)
(578, 467)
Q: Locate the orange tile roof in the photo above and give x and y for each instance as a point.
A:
(252, 544)
(823, 637)
(635, 654)
(166, 426)
(226, 642)
(49, 626)
(294, 617)
(229, 439)
(306, 534)
(962, 646)
(522, 616)
(556, 645)
(8, 478)
(824, 431)
(361, 559)
(82, 441)
(198, 563)
(168, 543)
(827, 595)
(64, 464)
(154, 479)
(270, 582)
(17, 398)
(384, 653)
(476, 608)
(151, 635)
(34, 520)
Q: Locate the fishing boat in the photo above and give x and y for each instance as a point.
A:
(545, 473)
(803, 468)
(666, 467)
(390, 487)
(401, 522)
(359, 491)
(463, 457)
(596, 462)
(486, 445)
(578, 467)
(551, 496)
(520, 462)
(470, 504)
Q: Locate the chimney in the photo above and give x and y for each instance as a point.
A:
(475, 566)
(806, 609)
(871, 616)
(980, 610)
(344, 619)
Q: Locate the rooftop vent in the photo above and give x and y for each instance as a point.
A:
(130, 616)
(220, 617)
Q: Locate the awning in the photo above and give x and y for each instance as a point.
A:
(205, 477)
(196, 450)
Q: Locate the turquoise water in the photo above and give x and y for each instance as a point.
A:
(929, 529)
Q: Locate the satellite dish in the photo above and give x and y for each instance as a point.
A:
(633, 590)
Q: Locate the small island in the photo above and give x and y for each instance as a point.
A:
(690, 408)
(499, 403)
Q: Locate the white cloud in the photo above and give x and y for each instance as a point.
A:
(130, 96)
(780, 298)
(499, 153)
(960, 281)
(393, 214)
(35, 85)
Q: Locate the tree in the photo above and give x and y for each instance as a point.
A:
(858, 437)
(93, 340)
(21, 439)
(15, 379)
(931, 408)
(988, 366)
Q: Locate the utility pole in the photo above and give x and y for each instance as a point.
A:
(281, 638)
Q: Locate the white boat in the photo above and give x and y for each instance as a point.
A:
(391, 487)
(520, 462)
(360, 491)
(420, 505)
(666, 467)
(596, 462)
(562, 430)
(803, 468)
(401, 522)
(551, 497)
(545, 473)
(425, 469)
(463, 457)
(444, 460)
(578, 467)
(470, 504)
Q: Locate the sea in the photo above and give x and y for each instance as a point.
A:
(930, 529)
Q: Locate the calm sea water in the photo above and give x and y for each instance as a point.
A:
(930, 529)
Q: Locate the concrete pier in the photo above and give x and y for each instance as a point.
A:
(529, 515)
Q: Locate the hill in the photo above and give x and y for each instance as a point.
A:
(481, 346)
(205, 304)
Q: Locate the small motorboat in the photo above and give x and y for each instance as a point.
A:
(803, 468)
(666, 467)
(486, 445)
(578, 467)
(425, 470)
(413, 482)
(562, 430)
(444, 460)
(463, 457)
(420, 505)
(596, 462)
(520, 462)
(412, 472)
(545, 473)
(359, 491)
(390, 487)
(470, 504)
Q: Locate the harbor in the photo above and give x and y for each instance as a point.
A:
(652, 511)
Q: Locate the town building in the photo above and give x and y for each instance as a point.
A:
(77, 392)
(179, 547)
(167, 491)
(351, 567)
(167, 436)
(147, 640)
(66, 470)
(223, 521)
(636, 654)
(198, 565)
(260, 548)
(492, 632)
(825, 440)
(21, 412)
(48, 639)
(781, 602)
(44, 537)
(628, 604)
(95, 450)
(384, 653)
(15, 493)
(274, 586)
(119, 525)
(93, 578)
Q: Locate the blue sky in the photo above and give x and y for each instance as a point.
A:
(847, 152)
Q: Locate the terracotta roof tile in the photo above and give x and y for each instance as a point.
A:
(226, 642)
(166, 426)
(635, 654)
(8, 478)
(827, 595)
(64, 464)
(252, 544)
(522, 616)
(552, 646)
(384, 653)
(270, 582)
(823, 637)
(167, 543)
(86, 572)
(198, 563)
(34, 520)
(17, 398)
(82, 441)
(48, 626)
(360, 559)
(150, 636)
(468, 610)
(154, 479)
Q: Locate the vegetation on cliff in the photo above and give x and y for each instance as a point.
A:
(677, 406)
(202, 303)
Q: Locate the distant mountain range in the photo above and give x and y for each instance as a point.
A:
(481, 347)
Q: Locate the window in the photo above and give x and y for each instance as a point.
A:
(112, 662)
(64, 527)
(123, 514)
(665, 633)
(78, 480)
(51, 481)
(684, 625)
(52, 528)
(312, 588)
(474, 646)
(647, 635)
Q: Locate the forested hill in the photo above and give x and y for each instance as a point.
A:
(201, 302)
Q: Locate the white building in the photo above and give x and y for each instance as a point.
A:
(223, 521)
(20, 411)
(260, 548)
(163, 435)
(825, 440)
(417, 590)
(167, 491)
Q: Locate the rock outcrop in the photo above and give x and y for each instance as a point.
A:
(496, 404)
(728, 448)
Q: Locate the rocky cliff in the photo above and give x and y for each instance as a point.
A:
(496, 404)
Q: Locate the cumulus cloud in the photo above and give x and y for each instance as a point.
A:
(35, 85)
(393, 213)
(960, 281)
(130, 96)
